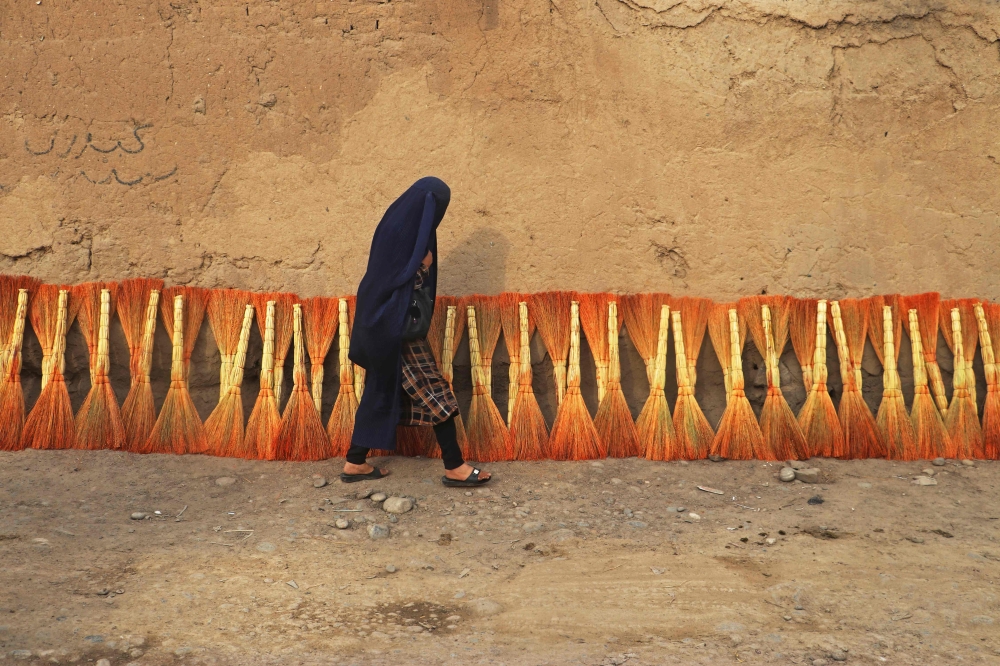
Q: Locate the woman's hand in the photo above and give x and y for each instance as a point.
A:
(428, 260)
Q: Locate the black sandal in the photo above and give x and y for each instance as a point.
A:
(373, 475)
(471, 480)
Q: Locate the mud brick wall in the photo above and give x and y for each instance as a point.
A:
(826, 149)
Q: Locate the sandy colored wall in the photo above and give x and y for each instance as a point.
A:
(719, 149)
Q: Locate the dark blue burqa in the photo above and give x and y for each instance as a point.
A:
(401, 241)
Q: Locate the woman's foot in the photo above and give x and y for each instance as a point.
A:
(359, 470)
(462, 473)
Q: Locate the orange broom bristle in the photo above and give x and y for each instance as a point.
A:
(488, 437)
(928, 307)
(528, 431)
(963, 419)
(574, 436)
(930, 435)
(654, 429)
(179, 429)
(990, 344)
(138, 303)
(550, 312)
(301, 436)
(613, 420)
(694, 434)
(739, 436)
(98, 423)
(341, 425)
(320, 319)
(224, 426)
(767, 321)
(262, 426)
(718, 332)
(818, 418)
(862, 438)
(11, 392)
(225, 317)
(50, 424)
(885, 327)
(283, 303)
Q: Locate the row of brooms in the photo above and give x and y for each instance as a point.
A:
(934, 427)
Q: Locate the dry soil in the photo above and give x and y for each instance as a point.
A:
(554, 563)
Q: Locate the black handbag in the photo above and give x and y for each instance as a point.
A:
(418, 316)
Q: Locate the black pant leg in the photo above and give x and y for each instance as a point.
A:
(447, 437)
(357, 455)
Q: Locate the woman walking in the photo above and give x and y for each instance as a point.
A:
(403, 385)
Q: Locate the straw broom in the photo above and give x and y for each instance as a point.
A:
(862, 438)
(488, 437)
(359, 372)
(928, 307)
(654, 428)
(574, 436)
(550, 311)
(320, 318)
(989, 313)
(264, 421)
(802, 329)
(613, 420)
(529, 434)
(594, 321)
(718, 331)
(225, 316)
(138, 303)
(99, 422)
(930, 435)
(962, 420)
(818, 418)
(694, 434)
(453, 330)
(895, 426)
(301, 436)
(43, 312)
(11, 393)
(50, 423)
(767, 321)
(447, 326)
(224, 426)
(970, 336)
(641, 315)
(341, 425)
(739, 436)
(10, 289)
(510, 323)
(179, 429)
(283, 325)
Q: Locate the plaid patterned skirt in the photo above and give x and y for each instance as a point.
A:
(427, 399)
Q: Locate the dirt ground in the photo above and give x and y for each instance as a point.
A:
(554, 563)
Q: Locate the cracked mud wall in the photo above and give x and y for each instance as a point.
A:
(719, 149)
